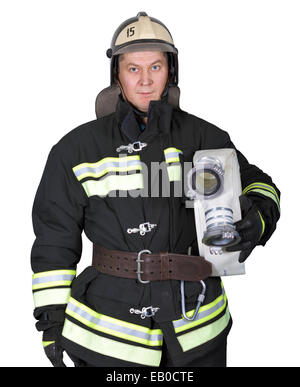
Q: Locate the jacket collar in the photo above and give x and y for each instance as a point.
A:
(159, 119)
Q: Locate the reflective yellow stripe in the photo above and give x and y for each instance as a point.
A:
(172, 155)
(103, 161)
(263, 223)
(108, 164)
(46, 343)
(206, 313)
(113, 183)
(112, 348)
(264, 189)
(171, 150)
(51, 284)
(203, 334)
(51, 297)
(261, 185)
(114, 320)
(112, 326)
(174, 172)
(52, 278)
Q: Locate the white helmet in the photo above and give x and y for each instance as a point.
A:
(140, 33)
(143, 33)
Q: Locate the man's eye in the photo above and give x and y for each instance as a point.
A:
(155, 67)
(133, 69)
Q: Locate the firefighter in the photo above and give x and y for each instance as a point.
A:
(117, 179)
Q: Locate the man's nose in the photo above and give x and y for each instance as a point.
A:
(145, 78)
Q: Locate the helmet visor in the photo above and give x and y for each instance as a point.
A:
(144, 46)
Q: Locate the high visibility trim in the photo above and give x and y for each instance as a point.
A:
(205, 313)
(264, 189)
(52, 278)
(113, 183)
(112, 326)
(263, 223)
(108, 164)
(46, 343)
(109, 347)
(174, 172)
(172, 155)
(51, 297)
(268, 194)
(53, 272)
(204, 334)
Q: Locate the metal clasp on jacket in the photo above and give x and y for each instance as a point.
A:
(143, 228)
(148, 311)
(134, 147)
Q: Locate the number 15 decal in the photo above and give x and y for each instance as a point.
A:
(130, 32)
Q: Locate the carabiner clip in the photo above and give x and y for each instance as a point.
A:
(200, 301)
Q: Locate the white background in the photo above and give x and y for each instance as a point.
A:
(239, 69)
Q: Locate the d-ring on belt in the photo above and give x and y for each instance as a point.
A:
(146, 266)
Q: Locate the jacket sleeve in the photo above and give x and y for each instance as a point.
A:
(255, 183)
(58, 218)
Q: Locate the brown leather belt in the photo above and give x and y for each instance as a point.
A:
(145, 266)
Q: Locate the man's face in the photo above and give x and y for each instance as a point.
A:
(143, 77)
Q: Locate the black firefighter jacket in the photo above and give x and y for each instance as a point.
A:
(88, 185)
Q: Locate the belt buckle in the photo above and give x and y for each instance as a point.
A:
(139, 260)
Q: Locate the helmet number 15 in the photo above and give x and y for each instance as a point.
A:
(130, 32)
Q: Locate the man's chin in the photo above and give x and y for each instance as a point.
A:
(142, 107)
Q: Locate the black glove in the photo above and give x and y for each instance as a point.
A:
(52, 346)
(51, 323)
(250, 228)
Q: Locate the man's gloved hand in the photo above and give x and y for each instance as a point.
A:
(52, 346)
(250, 228)
(51, 323)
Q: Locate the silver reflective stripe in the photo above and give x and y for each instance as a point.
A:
(105, 324)
(52, 278)
(171, 155)
(108, 165)
(113, 326)
(47, 279)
